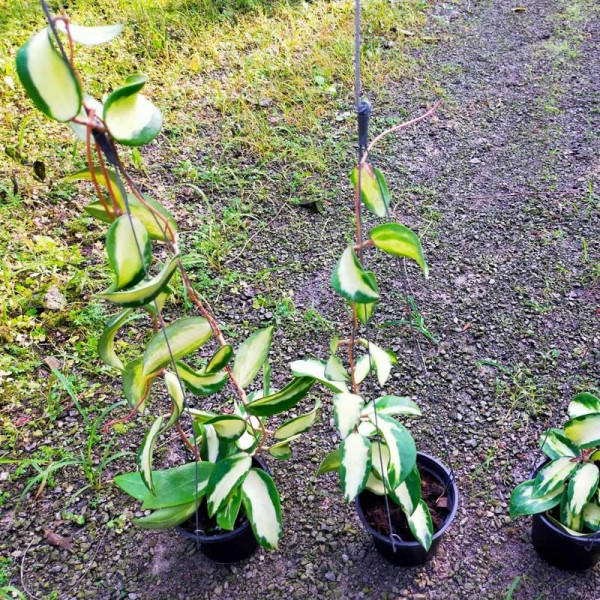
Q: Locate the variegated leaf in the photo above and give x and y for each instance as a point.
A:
(228, 514)
(228, 427)
(553, 475)
(582, 486)
(91, 36)
(392, 405)
(421, 525)
(251, 355)
(591, 515)
(554, 444)
(355, 465)
(523, 501)
(177, 396)
(220, 359)
(374, 191)
(283, 400)
(584, 431)
(146, 451)
(106, 342)
(225, 478)
(263, 508)
(335, 370)
(408, 493)
(312, 367)
(584, 404)
(399, 240)
(200, 382)
(298, 424)
(351, 281)
(346, 412)
(282, 450)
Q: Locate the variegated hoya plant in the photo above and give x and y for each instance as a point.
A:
(569, 481)
(222, 444)
(376, 451)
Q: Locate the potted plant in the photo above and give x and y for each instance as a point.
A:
(225, 490)
(396, 489)
(563, 494)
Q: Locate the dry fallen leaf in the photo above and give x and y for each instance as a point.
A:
(58, 540)
(519, 9)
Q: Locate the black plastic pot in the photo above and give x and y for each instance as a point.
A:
(411, 553)
(560, 548)
(231, 546)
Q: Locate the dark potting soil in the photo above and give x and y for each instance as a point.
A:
(209, 524)
(434, 495)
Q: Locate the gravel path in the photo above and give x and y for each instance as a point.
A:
(502, 184)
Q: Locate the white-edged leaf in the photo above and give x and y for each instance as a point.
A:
(228, 427)
(298, 424)
(146, 451)
(421, 525)
(48, 79)
(184, 336)
(106, 342)
(144, 292)
(124, 241)
(351, 281)
(220, 359)
(401, 446)
(380, 456)
(177, 396)
(553, 475)
(91, 36)
(584, 431)
(213, 447)
(200, 382)
(568, 518)
(523, 502)
(225, 478)
(129, 116)
(312, 367)
(251, 355)
(554, 444)
(392, 405)
(283, 400)
(584, 404)
(582, 486)
(399, 240)
(263, 508)
(355, 465)
(346, 412)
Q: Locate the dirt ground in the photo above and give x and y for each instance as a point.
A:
(504, 186)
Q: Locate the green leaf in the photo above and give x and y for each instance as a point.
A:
(200, 383)
(266, 368)
(106, 342)
(408, 493)
(355, 465)
(146, 451)
(123, 239)
(346, 412)
(129, 116)
(48, 79)
(584, 404)
(263, 508)
(421, 525)
(584, 431)
(219, 360)
(334, 370)
(144, 292)
(228, 427)
(282, 450)
(136, 385)
(351, 281)
(312, 367)
(228, 514)
(392, 405)
(177, 396)
(523, 501)
(167, 518)
(374, 191)
(399, 240)
(251, 355)
(403, 452)
(91, 36)
(298, 424)
(582, 486)
(176, 486)
(553, 475)
(554, 444)
(133, 484)
(226, 477)
(184, 337)
(591, 515)
(330, 463)
(283, 400)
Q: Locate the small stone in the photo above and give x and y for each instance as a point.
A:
(54, 299)
(330, 576)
